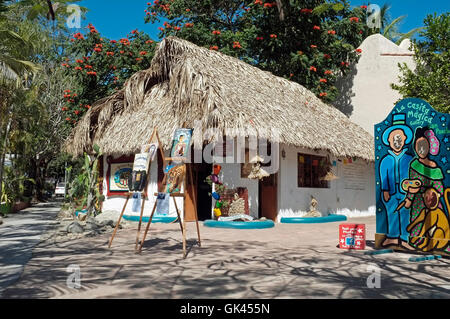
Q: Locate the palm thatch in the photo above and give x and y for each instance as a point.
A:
(187, 83)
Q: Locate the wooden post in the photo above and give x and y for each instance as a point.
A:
(118, 222)
(194, 197)
(140, 222)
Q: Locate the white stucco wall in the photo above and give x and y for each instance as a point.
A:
(368, 97)
(115, 203)
(295, 201)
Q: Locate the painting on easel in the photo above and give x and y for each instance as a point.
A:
(181, 144)
(174, 178)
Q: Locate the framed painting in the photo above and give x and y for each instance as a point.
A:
(117, 176)
(151, 149)
(181, 144)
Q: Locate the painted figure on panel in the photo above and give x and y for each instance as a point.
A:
(427, 216)
(393, 170)
(412, 159)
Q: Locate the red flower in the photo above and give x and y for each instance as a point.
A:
(300, 52)
(113, 41)
(316, 27)
(258, 2)
(306, 11)
(313, 69)
(88, 107)
(332, 32)
(214, 47)
(67, 118)
(149, 41)
(259, 38)
(327, 72)
(237, 45)
(323, 80)
(327, 56)
(109, 53)
(189, 25)
(78, 68)
(358, 50)
(313, 46)
(354, 19)
(188, 10)
(216, 32)
(364, 7)
(291, 75)
(273, 36)
(77, 112)
(143, 52)
(323, 94)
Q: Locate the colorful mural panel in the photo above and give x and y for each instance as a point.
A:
(412, 153)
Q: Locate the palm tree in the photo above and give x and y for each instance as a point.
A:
(390, 28)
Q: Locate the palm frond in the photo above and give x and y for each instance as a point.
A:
(408, 35)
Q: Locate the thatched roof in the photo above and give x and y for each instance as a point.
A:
(186, 83)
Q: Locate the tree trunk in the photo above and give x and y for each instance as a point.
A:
(3, 155)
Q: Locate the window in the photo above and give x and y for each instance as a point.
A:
(311, 170)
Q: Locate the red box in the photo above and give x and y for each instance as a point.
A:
(352, 236)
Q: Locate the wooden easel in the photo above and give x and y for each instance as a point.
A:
(173, 195)
(144, 192)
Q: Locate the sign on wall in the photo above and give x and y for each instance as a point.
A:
(412, 154)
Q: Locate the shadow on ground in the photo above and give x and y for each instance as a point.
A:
(220, 269)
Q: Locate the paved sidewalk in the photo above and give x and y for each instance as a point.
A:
(288, 261)
(19, 234)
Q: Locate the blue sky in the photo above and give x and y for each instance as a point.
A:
(115, 18)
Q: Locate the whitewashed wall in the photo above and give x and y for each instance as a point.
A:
(367, 97)
(115, 203)
(295, 201)
(292, 200)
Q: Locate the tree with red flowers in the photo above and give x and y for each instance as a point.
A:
(307, 41)
(99, 67)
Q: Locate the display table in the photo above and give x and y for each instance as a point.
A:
(156, 219)
(239, 225)
(313, 220)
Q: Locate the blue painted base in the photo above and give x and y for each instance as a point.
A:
(84, 211)
(156, 219)
(379, 252)
(424, 258)
(313, 220)
(239, 225)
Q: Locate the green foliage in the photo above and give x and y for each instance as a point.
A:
(99, 67)
(311, 42)
(13, 185)
(84, 190)
(430, 80)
